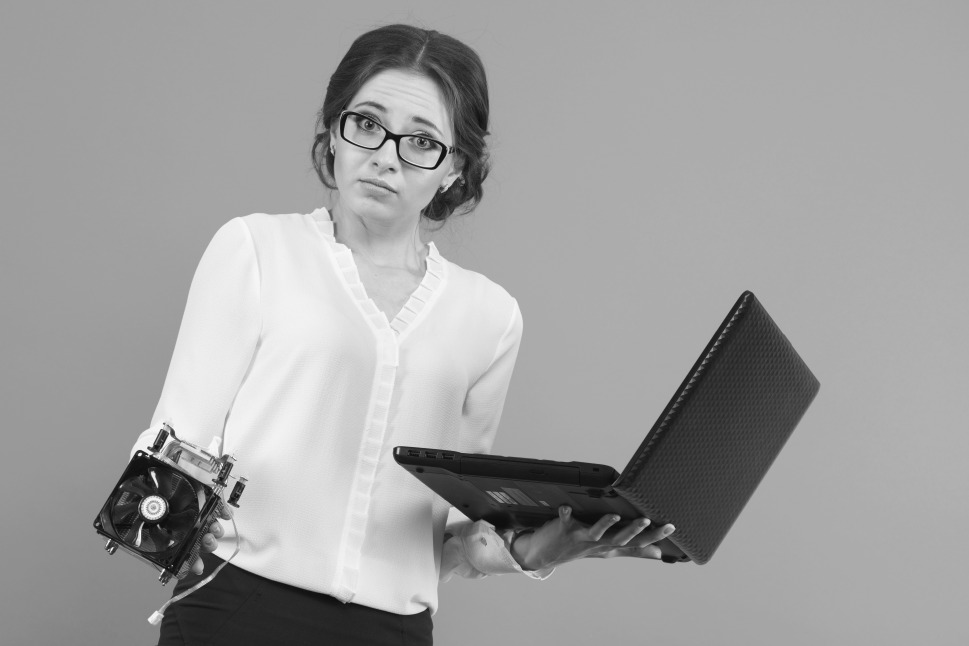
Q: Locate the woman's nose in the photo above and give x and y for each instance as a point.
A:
(386, 155)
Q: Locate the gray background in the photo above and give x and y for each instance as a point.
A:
(650, 164)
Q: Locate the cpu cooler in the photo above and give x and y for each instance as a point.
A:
(158, 512)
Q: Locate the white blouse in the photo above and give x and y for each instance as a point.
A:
(283, 356)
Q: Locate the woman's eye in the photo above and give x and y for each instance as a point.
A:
(422, 143)
(365, 123)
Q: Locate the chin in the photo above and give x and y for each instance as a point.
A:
(377, 210)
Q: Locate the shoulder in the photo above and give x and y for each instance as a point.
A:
(277, 225)
(483, 298)
(267, 239)
(478, 287)
(270, 234)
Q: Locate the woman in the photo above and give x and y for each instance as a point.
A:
(313, 344)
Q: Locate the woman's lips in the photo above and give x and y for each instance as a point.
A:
(373, 181)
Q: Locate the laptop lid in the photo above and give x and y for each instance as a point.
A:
(718, 436)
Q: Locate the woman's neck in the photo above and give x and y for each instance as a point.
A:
(385, 245)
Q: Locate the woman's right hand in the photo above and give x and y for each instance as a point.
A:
(210, 540)
(565, 539)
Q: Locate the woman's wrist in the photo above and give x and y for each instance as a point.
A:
(518, 547)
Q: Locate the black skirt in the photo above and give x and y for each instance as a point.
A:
(239, 608)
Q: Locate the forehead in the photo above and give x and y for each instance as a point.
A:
(408, 98)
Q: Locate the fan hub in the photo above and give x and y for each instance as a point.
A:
(153, 508)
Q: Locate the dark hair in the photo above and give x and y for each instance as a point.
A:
(456, 69)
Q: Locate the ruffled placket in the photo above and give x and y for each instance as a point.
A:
(388, 337)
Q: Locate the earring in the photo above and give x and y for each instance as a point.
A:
(444, 188)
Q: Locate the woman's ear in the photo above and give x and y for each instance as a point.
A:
(453, 175)
(334, 133)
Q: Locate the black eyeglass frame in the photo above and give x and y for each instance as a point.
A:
(445, 149)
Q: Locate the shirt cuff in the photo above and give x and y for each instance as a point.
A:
(485, 552)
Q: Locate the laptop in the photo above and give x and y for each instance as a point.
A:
(696, 468)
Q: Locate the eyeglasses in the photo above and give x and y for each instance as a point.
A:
(417, 150)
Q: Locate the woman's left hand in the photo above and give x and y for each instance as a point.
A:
(565, 539)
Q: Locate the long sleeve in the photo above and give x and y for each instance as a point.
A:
(216, 340)
(485, 400)
(474, 550)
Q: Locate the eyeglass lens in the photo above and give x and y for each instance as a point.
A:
(413, 149)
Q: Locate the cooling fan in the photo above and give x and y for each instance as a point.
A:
(158, 512)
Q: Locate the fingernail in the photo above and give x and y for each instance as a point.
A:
(615, 519)
(669, 529)
(644, 521)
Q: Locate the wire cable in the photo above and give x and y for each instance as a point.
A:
(157, 616)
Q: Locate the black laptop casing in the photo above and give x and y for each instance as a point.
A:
(697, 467)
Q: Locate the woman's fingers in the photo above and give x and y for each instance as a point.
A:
(224, 511)
(630, 531)
(622, 536)
(210, 540)
(635, 538)
(651, 535)
(636, 535)
(593, 533)
(647, 552)
(643, 543)
(565, 514)
(597, 531)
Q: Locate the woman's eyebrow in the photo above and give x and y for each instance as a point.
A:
(372, 104)
(425, 122)
(415, 119)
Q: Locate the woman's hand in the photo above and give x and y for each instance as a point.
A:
(565, 539)
(210, 540)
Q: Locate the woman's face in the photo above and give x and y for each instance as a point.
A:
(376, 184)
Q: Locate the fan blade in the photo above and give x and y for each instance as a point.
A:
(183, 497)
(156, 539)
(123, 525)
(181, 521)
(136, 486)
(164, 478)
(154, 480)
(179, 530)
(137, 542)
(120, 513)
